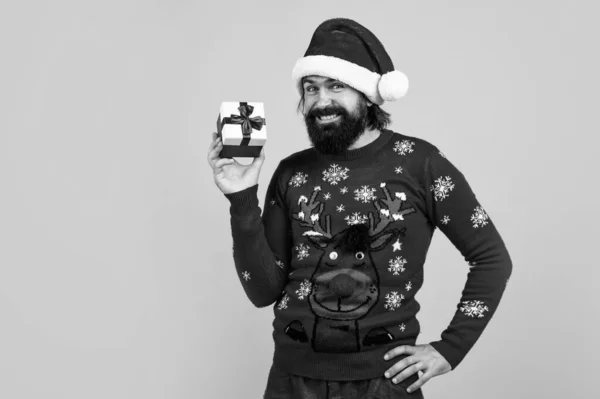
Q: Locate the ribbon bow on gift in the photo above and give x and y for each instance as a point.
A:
(244, 119)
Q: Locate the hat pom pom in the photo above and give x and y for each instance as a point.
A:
(393, 85)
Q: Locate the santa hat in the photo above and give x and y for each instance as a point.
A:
(344, 50)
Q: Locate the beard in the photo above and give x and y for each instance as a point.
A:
(336, 137)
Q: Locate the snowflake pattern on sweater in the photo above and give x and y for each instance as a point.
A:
(335, 174)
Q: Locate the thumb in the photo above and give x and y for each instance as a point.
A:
(260, 159)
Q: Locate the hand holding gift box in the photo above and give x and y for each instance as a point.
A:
(242, 128)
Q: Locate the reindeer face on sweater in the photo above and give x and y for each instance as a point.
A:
(345, 284)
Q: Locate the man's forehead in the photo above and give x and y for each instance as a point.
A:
(317, 78)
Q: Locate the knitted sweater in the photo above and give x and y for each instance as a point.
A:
(340, 247)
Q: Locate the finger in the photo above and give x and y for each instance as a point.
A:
(401, 366)
(420, 382)
(260, 158)
(213, 155)
(407, 372)
(215, 138)
(214, 142)
(399, 350)
(211, 147)
(222, 162)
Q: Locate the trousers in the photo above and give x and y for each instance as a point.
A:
(282, 385)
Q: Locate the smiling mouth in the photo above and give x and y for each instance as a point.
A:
(342, 311)
(328, 118)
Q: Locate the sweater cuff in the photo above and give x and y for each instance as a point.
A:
(452, 354)
(244, 201)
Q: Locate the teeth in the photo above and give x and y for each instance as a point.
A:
(328, 117)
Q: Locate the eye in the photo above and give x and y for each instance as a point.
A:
(360, 255)
(341, 86)
(333, 255)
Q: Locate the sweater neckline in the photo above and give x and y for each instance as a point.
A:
(367, 150)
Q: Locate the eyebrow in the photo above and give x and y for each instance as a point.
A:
(309, 80)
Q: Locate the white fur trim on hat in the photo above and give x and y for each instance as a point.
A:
(393, 85)
(350, 73)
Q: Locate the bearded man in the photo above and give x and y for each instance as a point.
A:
(340, 247)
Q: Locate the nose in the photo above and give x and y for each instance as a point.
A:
(342, 285)
(324, 99)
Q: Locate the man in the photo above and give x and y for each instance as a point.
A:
(340, 247)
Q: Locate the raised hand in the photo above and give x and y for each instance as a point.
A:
(231, 176)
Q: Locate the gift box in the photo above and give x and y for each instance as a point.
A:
(242, 128)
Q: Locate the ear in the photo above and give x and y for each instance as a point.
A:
(319, 241)
(382, 239)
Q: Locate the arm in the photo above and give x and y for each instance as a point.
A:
(454, 209)
(261, 245)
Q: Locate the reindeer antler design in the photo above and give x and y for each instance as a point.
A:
(306, 212)
(389, 214)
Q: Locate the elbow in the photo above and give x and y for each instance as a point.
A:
(507, 269)
(262, 303)
(509, 265)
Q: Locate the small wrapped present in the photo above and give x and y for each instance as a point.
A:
(242, 127)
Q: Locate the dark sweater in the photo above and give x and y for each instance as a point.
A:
(340, 247)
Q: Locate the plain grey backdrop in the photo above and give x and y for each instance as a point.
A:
(116, 274)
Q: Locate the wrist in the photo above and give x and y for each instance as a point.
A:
(452, 354)
(243, 201)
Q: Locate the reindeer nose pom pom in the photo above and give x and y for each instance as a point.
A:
(342, 285)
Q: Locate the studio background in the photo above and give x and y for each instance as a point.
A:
(116, 274)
